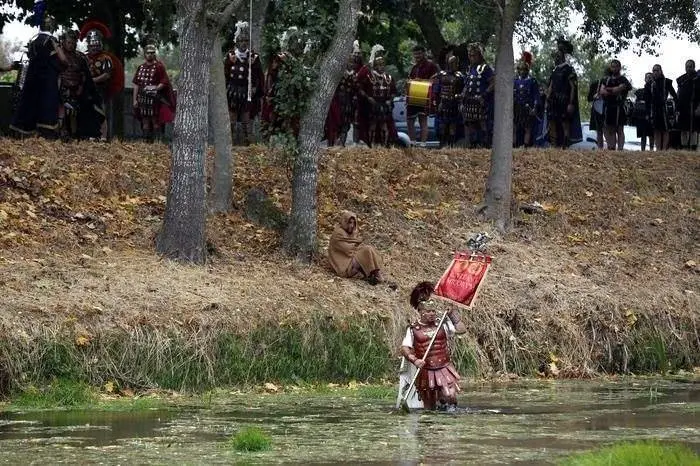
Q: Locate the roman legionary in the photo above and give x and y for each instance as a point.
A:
(37, 110)
(662, 111)
(438, 381)
(377, 90)
(106, 69)
(562, 99)
(240, 66)
(80, 114)
(477, 98)
(640, 115)
(613, 89)
(423, 70)
(526, 96)
(689, 106)
(447, 94)
(343, 109)
(153, 98)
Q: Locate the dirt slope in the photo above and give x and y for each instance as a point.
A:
(614, 249)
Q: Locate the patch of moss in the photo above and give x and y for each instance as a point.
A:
(636, 454)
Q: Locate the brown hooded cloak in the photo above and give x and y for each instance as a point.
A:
(344, 247)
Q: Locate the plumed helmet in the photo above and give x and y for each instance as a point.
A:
(376, 52)
(242, 32)
(421, 292)
(476, 47)
(95, 32)
(525, 60)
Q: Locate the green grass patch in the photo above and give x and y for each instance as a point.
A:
(250, 439)
(132, 404)
(60, 393)
(636, 454)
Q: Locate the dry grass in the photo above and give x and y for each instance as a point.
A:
(609, 256)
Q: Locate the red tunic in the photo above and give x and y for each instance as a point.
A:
(382, 88)
(161, 105)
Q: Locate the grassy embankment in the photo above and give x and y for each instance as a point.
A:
(636, 454)
(603, 279)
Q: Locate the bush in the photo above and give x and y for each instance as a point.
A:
(250, 439)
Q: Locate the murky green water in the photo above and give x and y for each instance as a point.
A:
(518, 423)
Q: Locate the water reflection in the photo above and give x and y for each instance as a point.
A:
(527, 423)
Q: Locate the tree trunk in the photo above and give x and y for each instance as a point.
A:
(499, 187)
(222, 176)
(300, 237)
(256, 29)
(423, 14)
(182, 236)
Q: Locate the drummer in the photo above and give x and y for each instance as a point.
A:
(424, 70)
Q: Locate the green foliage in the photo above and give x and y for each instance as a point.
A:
(131, 21)
(61, 393)
(294, 89)
(636, 454)
(250, 439)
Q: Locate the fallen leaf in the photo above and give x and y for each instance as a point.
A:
(270, 387)
(82, 340)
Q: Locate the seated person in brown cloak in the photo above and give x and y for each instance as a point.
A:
(349, 256)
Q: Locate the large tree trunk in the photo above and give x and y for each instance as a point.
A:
(222, 176)
(499, 187)
(182, 236)
(256, 29)
(300, 237)
(423, 14)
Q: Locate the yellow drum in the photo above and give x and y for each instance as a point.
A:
(419, 92)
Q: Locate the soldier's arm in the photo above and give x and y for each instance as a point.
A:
(106, 73)
(457, 322)
(410, 354)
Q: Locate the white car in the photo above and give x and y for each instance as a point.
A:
(590, 137)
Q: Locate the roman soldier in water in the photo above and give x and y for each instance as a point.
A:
(153, 99)
(80, 114)
(37, 110)
(424, 70)
(477, 98)
(661, 110)
(243, 97)
(689, 106)
(106, 69)
(377, 90)
(526, 96)
(343, 109)
(438, 381)
(562, 99)
(613, 90)
(447, 94)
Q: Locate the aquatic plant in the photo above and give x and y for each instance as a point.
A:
(250, 439)
(636, 454)
(60, 393)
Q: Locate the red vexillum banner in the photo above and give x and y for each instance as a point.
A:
(461, 281)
